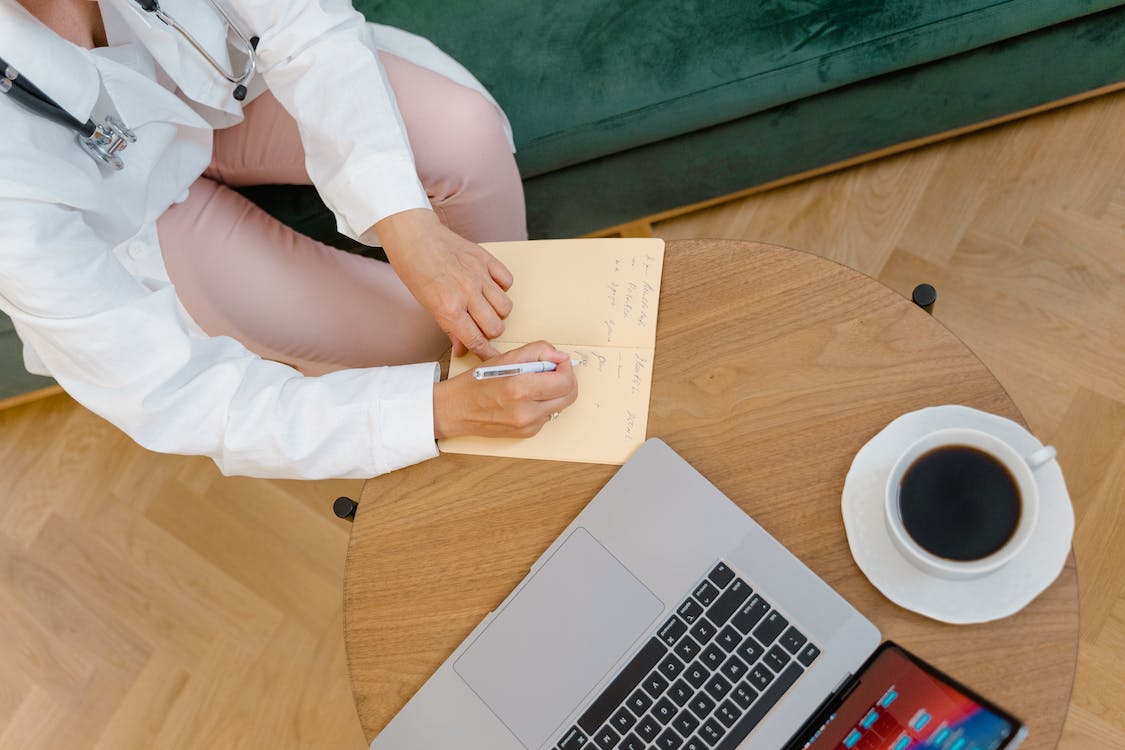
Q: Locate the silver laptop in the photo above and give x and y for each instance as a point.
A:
(665, 617)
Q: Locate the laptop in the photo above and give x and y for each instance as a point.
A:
(665, 617)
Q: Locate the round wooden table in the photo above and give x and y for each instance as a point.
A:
(773, 367)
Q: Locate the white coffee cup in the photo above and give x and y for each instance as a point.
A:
(1021, 468)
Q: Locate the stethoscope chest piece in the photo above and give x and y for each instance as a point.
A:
(106, 141)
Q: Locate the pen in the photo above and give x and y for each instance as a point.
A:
(521, 368)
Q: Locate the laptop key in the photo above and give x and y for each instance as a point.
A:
(672, 630)
(711, 732)
(680, 692)
(776, 658)
(757, 712)
(808, 654)
(793, 640)
(728, 713)
(671, 667)
(573, 740)
(729, 638)
(696, 674)
(750, 650)
(685, 722)
(770, 628)
(717, 687)
(748, 615)
(760, 677)
(705, 593)
(664, 710)
(729, 602)
(669, 741)
(632, 742)
(654, 685)
(721, 575)
(606, 738)
(647, 728)
(703, 631)
(702, 705)
(733, 669)
(624, 684)
(687, 648)
(690, 611)
(639, 702)
(744, 695)
(694, 744)
(623, 721)
(712, 657)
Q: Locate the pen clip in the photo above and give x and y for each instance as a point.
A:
(480, 374)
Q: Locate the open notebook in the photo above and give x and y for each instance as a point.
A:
(596, 299)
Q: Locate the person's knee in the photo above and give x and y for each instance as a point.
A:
(473, 151)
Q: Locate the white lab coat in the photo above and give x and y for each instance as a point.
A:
(81, 274)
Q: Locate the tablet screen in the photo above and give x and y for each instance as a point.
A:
(899, 703)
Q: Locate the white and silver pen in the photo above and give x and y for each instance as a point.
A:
(520, 368)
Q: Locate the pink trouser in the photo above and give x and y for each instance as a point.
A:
(241, 273)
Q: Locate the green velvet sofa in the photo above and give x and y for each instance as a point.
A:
(622, 110)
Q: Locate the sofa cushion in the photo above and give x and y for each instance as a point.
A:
(837, 126)
(586, 78)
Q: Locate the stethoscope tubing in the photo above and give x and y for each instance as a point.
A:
(29, 95)
(105, 141)
(153, 7)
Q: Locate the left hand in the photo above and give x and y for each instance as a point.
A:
(461, 284)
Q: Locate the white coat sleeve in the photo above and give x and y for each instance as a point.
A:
(318, 60)
(126, 352)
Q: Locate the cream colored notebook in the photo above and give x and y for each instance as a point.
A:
(597, 299)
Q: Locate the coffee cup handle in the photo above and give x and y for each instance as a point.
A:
(1041, 457)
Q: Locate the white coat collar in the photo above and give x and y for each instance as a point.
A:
(60, 69)
(125, 21)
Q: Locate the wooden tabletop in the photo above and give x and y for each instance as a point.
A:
(773, 367)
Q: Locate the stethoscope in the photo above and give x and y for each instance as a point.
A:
(104, 141)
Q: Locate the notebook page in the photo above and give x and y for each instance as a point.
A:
(595, 299)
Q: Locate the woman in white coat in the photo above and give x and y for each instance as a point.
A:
(165, 302)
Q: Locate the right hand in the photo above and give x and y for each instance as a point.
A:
(516, 406)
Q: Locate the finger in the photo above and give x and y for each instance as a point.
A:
(459, 349)
(485, 316)
(500, 273)
(466, 329)
(500, 302)
(548, 386)
(557, 405)
(544, 351)
(537, 351)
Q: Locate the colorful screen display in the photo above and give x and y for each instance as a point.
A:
(898, 705)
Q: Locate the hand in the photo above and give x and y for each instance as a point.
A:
(515, 406)
(458, 281)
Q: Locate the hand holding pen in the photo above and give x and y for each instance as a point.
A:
(516, 404)
(520, 368)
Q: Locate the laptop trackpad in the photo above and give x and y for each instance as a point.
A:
(557, 637)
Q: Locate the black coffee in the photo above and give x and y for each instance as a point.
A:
(959, 503)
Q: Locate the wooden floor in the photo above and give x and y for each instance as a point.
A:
(148, 602)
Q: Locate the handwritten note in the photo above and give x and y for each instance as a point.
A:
(596, 299)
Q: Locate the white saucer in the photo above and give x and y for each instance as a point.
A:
(990, 597)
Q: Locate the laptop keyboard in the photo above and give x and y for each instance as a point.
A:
(708, 677)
